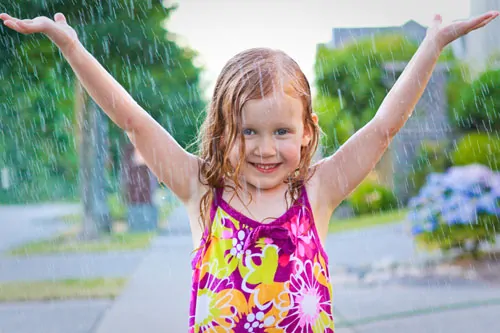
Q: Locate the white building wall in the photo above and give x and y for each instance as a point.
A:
(482, 44)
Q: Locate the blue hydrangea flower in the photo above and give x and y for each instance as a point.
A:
(457, 196)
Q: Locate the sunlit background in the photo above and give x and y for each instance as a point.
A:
(91, 243)
(219, 29)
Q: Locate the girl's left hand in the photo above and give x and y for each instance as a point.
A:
(443, 35)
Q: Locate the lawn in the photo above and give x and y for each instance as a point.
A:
(69, 243)
(367, 221)
(119, 240)
(61, 289)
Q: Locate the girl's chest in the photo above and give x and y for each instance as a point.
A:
(264, 210)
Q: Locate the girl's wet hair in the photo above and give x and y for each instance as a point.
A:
(251, 74)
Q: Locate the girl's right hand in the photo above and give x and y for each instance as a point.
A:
(58, 30)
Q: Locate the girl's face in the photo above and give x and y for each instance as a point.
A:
(274, 132)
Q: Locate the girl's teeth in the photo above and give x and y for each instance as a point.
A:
(266, 167)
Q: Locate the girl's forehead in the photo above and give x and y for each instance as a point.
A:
(279, 104)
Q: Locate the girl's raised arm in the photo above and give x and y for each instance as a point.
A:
(164, 156)
(342, 172)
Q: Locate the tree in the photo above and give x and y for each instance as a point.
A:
(353, 78)
(475, 105)
(129, 39)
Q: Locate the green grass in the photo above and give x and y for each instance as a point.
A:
(119, 240)
(69, 243)
(62, 289)
(367, 221)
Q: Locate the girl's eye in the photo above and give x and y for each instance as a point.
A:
(248, 131)
(282, 131)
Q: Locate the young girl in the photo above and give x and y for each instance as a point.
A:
(259, 207)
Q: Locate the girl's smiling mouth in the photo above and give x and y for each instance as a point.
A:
(265, 168)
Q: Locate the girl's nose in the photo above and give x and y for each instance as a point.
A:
(266, 147)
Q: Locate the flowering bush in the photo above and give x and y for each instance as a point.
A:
(457, 209)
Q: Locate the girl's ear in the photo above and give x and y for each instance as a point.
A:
(308, 131)
(315, 118)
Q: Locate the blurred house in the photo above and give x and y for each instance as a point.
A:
(479, 49)
(429, 123)
(342, 36)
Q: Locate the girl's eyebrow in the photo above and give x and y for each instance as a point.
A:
(279, 124)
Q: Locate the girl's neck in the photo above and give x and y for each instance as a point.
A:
(249, 192)
(265, 203)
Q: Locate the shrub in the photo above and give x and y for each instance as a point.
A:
(457, 209)
(336, 125)
(476, 106)
(432, 156)
(371, 197)
(481, 148)
(117, 207)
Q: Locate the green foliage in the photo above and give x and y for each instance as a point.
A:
(355, 74)
(336, 125)
(371, 197)
(466, 237)
(475, 106)
(37, 127)
(482, 148)
(117, 207)
(40, 188)
(458, 79)
(432, 156)
(354, 78)
(367, 220)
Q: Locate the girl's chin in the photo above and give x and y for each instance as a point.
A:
(266, 183)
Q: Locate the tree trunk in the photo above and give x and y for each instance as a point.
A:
(92, 139)
(100, 145)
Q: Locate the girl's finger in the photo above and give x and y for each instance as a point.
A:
(482, 18)
(6, 17)
(9, 23)
(480, 25)
(17, 26)
(59, 17)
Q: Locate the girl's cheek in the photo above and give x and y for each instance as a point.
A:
(289, 149)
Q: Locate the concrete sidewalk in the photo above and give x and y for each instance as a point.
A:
(24, 223)
(69, 266)
(71, 316)
(20, 224)
(157, 300)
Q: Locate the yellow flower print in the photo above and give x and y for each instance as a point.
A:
(219, 304)
(222, 249)
(260, 267)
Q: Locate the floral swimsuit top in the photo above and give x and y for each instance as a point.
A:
(255, 277)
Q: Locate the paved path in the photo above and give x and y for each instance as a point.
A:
(21, 224)
(158, 297)
(51, 317)
(178, 222)
(70, 266)
(366, 246)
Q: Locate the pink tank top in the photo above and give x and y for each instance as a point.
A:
(255, 277)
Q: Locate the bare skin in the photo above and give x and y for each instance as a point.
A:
(343, 171)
